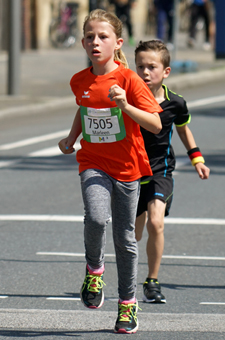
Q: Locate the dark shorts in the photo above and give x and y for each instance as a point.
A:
(160, 188)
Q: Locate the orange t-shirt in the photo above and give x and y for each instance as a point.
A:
(121, 154)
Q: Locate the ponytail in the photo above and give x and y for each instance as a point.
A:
(120, 56)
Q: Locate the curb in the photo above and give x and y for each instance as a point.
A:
(189, 80)
(63, 102)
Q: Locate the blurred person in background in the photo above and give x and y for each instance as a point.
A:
(199, 9)
(164, 27)
(123, 12)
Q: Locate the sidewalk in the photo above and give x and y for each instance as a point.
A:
(45, 75)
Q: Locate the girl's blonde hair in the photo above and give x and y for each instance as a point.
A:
(116, 23)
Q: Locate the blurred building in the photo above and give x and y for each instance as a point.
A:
(37, 15)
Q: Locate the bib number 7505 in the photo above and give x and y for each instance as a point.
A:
(95, 125)
(101, 123)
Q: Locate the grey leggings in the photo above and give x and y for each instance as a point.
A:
(97, 189)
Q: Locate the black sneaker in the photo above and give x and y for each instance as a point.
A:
(152, 292)
(127, 322)
(91, 292)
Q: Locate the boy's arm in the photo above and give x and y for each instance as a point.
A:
(188, 140)
(66, 144)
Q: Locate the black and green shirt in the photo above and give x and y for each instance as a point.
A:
(159, 149)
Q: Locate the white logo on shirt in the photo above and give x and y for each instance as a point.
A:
(86, 94)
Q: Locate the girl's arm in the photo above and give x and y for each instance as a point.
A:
(66, 144)
(150, 122)
(187, 139)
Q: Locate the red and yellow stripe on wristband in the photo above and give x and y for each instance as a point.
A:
(195, 156)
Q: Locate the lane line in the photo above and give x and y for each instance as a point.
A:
(3, 297)
(80, 218)
(55, 298)
(47, 218)
(38, 139)
(201, 221)
(187, 257)
(64, 102)
(67, 254)
(179, 257)
(103, 320)
(206, 101)
(212, 303)
(34, 140)
(47, 152)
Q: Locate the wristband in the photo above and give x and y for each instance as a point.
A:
(195, 156)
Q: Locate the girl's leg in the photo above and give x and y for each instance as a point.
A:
(124, 205)
(96, 190)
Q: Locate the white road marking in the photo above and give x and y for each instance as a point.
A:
(47, 218)
(80, 218)
(3, 297)
(212, 303)
(34, 140)
(63, 298)
(202, 221)
(74, 298)
(43, 138)
(54, 151)
(206, 101)
(67, 254)
(180, 257)
(47, 152)
(55, 298)
(187, 257)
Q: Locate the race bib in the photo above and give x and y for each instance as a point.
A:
(102, 125)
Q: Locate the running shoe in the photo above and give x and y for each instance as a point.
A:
(127, 322)
(91, 293)
(152, 292)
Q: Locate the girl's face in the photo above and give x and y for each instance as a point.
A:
(100, 41)
(150, 68)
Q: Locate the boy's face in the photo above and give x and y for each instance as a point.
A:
(150, 68)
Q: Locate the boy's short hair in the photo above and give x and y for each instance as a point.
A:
(157, 46)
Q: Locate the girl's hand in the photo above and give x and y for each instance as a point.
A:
(119, 95)
(202, 170)
(66, 146)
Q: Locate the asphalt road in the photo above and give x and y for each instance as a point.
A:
(42, 262)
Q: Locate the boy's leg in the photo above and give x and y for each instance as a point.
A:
(124, 206)
(159, 194)
(155, 243)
